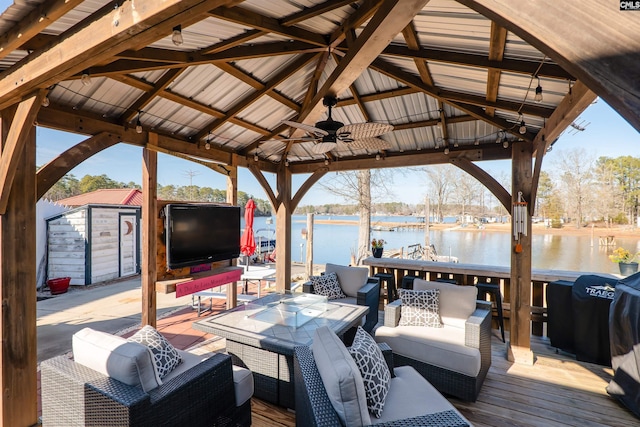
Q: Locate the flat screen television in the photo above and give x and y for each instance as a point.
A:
(201, 233)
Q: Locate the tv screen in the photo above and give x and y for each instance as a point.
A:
(201, 233)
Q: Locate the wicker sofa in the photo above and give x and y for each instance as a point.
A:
(200, 392)
(411, 400)
(454, 358)
(359, 288)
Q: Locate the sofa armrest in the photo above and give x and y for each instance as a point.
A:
(474, 327)
(485, 305)
(392, 313)
(388, 357)
(369, 295)
(307, 287)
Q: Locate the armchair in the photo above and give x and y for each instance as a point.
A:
(358, 287)
(454, 358)
(197, 393)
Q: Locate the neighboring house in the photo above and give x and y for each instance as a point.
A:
(98, 239)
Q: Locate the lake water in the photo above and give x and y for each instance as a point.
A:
(334, 243)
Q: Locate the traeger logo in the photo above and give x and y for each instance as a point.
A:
(607, 291)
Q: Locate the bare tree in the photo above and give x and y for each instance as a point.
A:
(357, 186)
(439, 178)
(466, 190)
(576, 173)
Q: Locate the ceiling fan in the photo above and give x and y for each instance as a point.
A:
(328, 133)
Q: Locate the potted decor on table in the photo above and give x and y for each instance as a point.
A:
(627, 261)
(377, 246)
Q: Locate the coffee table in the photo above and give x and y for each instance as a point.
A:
(265, 344)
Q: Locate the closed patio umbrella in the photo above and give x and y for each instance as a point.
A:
(247, 241)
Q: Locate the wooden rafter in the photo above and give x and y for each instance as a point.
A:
(245, 37)
(496, 53)
(257, 173)
(102, 36)
(312, 12)
(58, 167)
(357, 18)
(21, 125)
(167, 78)
(479, 61)
(306, 186)
(285, 73)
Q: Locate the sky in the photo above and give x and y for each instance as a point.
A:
(605, 134)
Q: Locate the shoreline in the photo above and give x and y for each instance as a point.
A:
(623, 231)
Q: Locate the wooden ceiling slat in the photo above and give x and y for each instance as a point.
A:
(497, 44)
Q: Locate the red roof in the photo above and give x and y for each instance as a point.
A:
(112, 196)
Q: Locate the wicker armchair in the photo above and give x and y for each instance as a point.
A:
(74, 395)
(367, 294)
(314, 409)
(439, 353)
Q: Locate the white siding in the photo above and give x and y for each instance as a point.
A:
(66, 246)
(105, 243)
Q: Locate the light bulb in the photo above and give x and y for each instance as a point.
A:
(476, 142)
(255, 158)
(45, 101)
(207, 145)
(446, 150)
(138, 126)
(85, 79)
(523, 128)
(378, 156)
(286, 163)
(505, 144)
(455, 145)
(176, 37)
(326, 162)
(538, 97)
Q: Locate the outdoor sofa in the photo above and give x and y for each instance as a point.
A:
(454, 357)
(328, 393)
(200, 391)
(358, 288)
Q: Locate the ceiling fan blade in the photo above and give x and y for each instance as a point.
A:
(364, 130)
(323, 147)
(370, 144)
(311, 129)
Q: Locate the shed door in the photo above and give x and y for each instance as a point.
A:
(128, 251)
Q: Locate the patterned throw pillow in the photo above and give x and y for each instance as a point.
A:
(165, 355)
(328, 286)
(420, 308)
(374, 370)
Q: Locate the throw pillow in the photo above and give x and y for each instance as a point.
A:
(328, 286)
(373, 368)
(420, 308)
(165, 355)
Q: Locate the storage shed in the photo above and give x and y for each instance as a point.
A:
(94, 243)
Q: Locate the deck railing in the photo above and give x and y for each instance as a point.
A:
(472, 274)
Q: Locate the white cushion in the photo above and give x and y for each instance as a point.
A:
(351, 278)
(165, 355)
(242, 384)
(442, 347)
(457, 302)
(341, 378)
(128, 362)
(373, 368)
(410, 395)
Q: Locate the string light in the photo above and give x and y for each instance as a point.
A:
(45, 101)
(286, 163)
(176, 37)
(378, 156)
(523, 128)
(326, 162)
(446, 150)
(505, 143)
(85, 78)
(207, 145)
(538, 97)
(138, 123)
(255, 157)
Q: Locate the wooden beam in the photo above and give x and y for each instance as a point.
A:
(573, 104)
(21, 127)
(388, 20)
(306, 186)
(234, 41)
(597, 43)
(517, 66)
(149, 232)
(18, 356)
(257, 173)
(496, 53)
(485, 179)
(283, 229)
(128, 26)
(313, 11)
(167, 78)
(31, 25)
(52, 172)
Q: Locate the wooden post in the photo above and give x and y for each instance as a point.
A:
(232, 199)
(18, 279)
(519, 344)
(309, 264)
(427, 239)
(149, 232)
(283, 230)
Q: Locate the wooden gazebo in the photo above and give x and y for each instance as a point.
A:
(212, 80)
